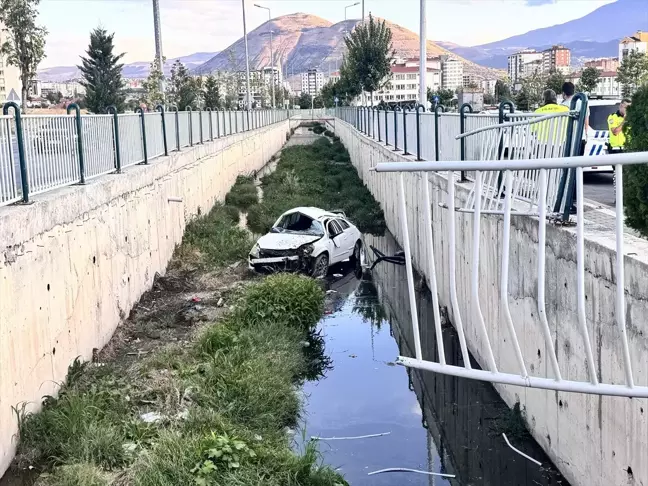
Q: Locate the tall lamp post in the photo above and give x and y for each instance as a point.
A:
(423, 57)
(349, 6)
(272, 65)
(247, 60)
(158, 41)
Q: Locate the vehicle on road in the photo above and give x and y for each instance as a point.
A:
(598, 134)
(307, 239)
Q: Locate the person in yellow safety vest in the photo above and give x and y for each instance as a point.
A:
(615, 124)
(549, 106)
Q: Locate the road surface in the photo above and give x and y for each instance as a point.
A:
(598, 187)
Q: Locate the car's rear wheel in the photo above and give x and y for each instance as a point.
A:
(320, 266)
(355, 257)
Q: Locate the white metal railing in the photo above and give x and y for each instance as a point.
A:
(10, 182)
(554, 378)
(98, 145)
(130, 140)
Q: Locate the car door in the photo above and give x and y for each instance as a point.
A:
(348, 241)
(336, 235)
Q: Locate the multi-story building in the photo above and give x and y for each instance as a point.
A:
(312, 82)
(556, 59)
(451, 73)
(69, 89)
(272, 74)
(9, 75)
(605, 64)
(405, 81)
(637, 42)
(607, 84)
(523, 63)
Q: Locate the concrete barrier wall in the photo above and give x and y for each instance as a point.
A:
(593, 440)
(76, 260)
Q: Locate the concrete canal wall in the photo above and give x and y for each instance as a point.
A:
(75, 261)
(593, 440)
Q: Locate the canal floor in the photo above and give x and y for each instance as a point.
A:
(433, 422)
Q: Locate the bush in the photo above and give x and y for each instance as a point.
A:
(319, 129)
(635, 177)
(243, 193)
(329, 133)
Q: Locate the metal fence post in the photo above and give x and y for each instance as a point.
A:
(235, 121)
(177, 130)
(405, 152)
(112, 109)
(500, 149)
(160, 108)
(396, 109)
(188, 109)
(79, 127)
(367, 120)
(218, 116)
(211, 124)
(418, 130)
(247, 116)
(437, 151)
(462, 129)
(141, 112)
(572, 148)
(21, 147)
(386, 128)
(200, 123)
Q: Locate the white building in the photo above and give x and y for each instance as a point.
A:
(312, 82)
(523, 63)
(637, 42)
(69, 89)
(405, 81)
(9, 75)
(451, 73)
(607, 85)
(271, 74)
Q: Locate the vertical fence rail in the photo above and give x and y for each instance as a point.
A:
(19, 137)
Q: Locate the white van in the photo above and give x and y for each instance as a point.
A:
(597, 133)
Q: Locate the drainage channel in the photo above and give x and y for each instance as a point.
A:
(418, 420)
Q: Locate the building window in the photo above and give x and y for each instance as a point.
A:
(400, 77)
(411, 76)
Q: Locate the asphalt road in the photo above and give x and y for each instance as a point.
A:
(599, 187)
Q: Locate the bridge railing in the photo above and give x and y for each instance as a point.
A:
(39, 153)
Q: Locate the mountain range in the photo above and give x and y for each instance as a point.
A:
(596, 34)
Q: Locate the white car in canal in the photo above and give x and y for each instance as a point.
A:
(307, 239)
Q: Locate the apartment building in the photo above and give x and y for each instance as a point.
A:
(606, 64)
(607, 84)
(524, 63)
(451, 73)
(556, 59)
(312, 82)
(405, 81)
(637, 42)
(272, 74)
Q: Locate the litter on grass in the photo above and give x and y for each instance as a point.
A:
(350, 438)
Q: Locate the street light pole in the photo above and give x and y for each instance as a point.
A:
(423, 57)
(272, 65)
(363, 10)
(349, 6)
(158, 41)
(247, 60)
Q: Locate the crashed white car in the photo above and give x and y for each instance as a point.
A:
(307, 239)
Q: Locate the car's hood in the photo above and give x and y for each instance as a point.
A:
(285, 241)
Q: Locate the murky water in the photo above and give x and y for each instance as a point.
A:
(436, 423)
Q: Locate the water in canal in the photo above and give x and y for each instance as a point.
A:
(436, 423)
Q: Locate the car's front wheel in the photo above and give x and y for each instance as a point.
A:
(355, 257)
(320, 266)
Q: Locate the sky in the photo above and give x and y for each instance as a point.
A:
(190, 26)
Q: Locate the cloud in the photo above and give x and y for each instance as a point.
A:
(537, 3)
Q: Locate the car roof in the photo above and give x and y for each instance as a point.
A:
(314, 213)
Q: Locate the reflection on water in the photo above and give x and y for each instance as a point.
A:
(437, 423)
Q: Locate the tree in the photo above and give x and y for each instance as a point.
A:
(101, 70)
(589, 80)
(25, 41)
(530, 96)
(633, 72)
(304, 100)
(54, 98)
(184, 90)
(555, 82)
(445, 96)
(489, 99)
(502, 91)
(370, 54)
(212, 93)
(635, 177)
(153, 94)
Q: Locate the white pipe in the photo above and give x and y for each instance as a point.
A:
(506, 243)
(452, 246)
(531, 120)
(409, 270)
(406, 469)
(520, 452)
(432, 268)
(620, 276)
(529, 381)
(542, 238)
(516, 164)
(475, 274)
(580, 274)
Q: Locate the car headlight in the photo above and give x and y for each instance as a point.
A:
(308, 249)
(254, 252)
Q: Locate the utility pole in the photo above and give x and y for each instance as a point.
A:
(158, 41)
(247, 60)
(423, 57)
(363, 11)
(272, 65)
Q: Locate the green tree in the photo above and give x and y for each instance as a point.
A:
(101, 70)
(489, 99)
(502, 91)
(54, 98)
(445, 96)
(589, 80)
(370, 54)
(555, 81)
(349, 86)
(304, 100)
(530, 96)
(24, 45)
(633, 72)
(212, 93)
(153, 94)
(184, 90)
(635, 177)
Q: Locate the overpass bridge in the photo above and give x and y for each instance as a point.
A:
(480, 204)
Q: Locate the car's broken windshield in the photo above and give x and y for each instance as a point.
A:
(298, 223)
